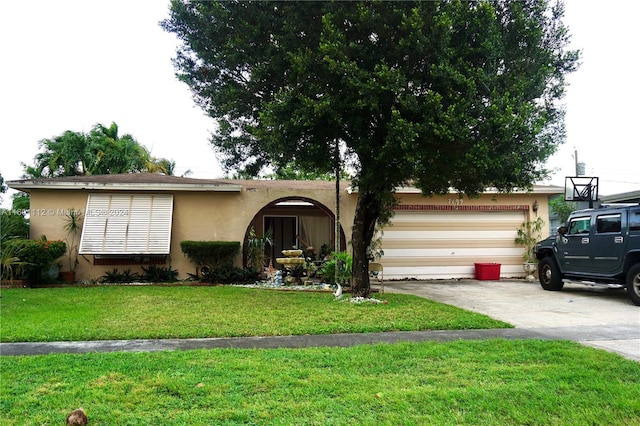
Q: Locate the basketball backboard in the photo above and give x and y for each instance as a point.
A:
(580, 188)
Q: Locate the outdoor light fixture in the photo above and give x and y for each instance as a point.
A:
(535, 206)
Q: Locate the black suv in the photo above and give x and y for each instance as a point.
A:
(597, 247)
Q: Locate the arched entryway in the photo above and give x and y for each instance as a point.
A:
(296, 222)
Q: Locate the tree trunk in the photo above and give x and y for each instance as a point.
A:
(366, 215)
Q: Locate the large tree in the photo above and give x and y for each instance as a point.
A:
(442, 94)
(101, 151)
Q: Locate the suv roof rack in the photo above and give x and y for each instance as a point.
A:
(612, 205)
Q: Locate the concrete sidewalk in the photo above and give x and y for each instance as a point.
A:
(605, 320)
(580, 334)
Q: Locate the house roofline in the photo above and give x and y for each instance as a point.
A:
(26, 186)
(613, 198)
(127, 182)
(158, 182)
(537, 189)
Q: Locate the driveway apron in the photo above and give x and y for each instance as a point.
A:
(604, 319)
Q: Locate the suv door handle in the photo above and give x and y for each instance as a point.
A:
(585, 240)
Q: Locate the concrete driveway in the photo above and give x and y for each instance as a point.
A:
(604, 319)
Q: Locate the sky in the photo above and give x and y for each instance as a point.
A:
(69, 64)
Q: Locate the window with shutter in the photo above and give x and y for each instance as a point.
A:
(124, 224)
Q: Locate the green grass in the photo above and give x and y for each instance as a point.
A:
(495, 382)
(97, 313)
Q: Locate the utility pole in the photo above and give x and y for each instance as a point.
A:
(580, 167)
(337, 219)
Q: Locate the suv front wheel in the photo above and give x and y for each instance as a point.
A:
(633, 284)
(549, 273)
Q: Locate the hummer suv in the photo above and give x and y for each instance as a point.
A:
(597, 247)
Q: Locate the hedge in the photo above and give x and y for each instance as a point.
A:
(211, 253)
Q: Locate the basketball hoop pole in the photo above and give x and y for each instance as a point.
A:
(588, 188)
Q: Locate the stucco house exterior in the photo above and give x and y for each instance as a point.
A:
(132, 220)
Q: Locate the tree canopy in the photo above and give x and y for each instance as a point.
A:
(447, 94)
(562, 208)
(101, 151)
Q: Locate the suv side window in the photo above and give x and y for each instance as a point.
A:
(609, 223)
(579, 225)
(634, 220)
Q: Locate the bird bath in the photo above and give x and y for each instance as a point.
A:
(291, 261)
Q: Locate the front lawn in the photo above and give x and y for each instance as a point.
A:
(494, 382)
(153, 312)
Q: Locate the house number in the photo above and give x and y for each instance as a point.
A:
(455, 201)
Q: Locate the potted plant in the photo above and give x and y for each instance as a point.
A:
(529, 234)
(72, 226)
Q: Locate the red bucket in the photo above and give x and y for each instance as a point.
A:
(487, 271)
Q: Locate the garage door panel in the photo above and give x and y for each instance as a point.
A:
(446, 244)
(444, 272)
(450, 261)
(500, 225)
(447, 253)
(486, 234)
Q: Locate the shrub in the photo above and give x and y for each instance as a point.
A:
(230, 275)
(211, 253)
(115, 276)
(529, 234)
(343, 261)
(159, 274)
(256, 257)
(36, 255)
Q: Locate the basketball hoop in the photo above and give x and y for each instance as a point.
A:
(581, 188)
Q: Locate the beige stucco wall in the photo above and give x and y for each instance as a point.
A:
(226, 216)
(200, 216)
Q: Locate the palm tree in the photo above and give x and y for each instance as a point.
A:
(101, 151)
(115, 153)
(64, 155)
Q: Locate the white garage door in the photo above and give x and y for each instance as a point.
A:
(447, 244)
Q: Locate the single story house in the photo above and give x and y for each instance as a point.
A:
(624, 197)
(132, 220)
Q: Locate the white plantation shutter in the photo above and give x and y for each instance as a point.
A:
(127, 224)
